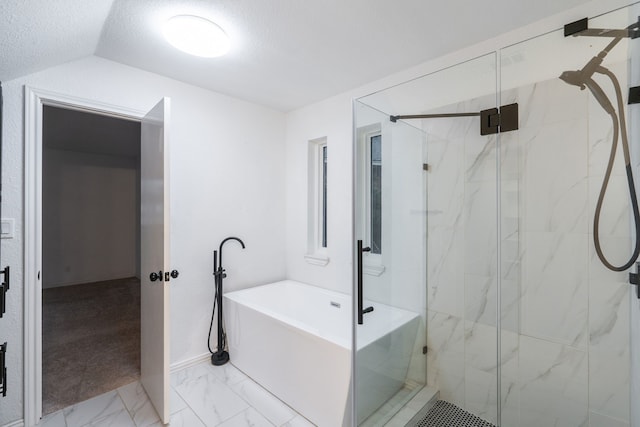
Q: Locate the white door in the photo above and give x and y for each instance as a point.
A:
(154, 257)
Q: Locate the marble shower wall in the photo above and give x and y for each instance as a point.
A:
(564, 334)
(462, 259)
(565, 343)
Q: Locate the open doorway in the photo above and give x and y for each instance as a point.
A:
(90, 255)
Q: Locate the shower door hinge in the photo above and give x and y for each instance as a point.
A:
(496, 120)
(4, 287)
(634, 95)
(425, 167)
(3, 369)
(634, 279)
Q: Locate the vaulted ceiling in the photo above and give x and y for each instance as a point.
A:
(285, 53)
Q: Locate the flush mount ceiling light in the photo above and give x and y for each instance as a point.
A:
(196, 36)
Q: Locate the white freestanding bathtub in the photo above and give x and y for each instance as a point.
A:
(295, 340)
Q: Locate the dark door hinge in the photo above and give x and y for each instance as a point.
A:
(634, 95)
(489, 121)
(3, 369)
(425, 350)
(425, 167)
(494, 120)
(4, 287)
(634, 279)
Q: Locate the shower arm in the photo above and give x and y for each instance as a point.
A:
(492, 120)
(432, 116)
(581, 28)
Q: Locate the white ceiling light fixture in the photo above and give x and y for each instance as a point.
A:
(196, 36)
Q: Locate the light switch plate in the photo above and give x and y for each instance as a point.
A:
(8, 228)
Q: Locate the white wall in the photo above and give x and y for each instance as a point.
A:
(227, 178)
(90, 228)
(333, 121)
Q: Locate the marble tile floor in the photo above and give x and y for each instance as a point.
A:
(201, 395)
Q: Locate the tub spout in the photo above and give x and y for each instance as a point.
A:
(222, 244)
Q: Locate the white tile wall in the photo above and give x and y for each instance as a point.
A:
(553, 384)
(445, 359)
(565, 317)
(480, 371)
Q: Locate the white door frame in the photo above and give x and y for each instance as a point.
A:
(35, 100)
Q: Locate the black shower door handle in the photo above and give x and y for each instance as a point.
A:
(361, 311)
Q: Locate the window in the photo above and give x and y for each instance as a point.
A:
(370, 196)
(317, 224)
(375, 196)
(323, 222)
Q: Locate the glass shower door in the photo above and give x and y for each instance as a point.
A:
(435, 257)
(391, 259)
(506, 271)
(565, 317)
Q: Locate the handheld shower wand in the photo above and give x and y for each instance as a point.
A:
(220, 356)
(584, 79)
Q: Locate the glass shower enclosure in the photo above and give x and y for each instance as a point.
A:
(392, 200)
(477, 280)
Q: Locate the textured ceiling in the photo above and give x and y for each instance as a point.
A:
(37, 34)
(285, 53)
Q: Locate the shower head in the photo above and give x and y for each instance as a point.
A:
(580, 77)
(583, 78)
(577, 78)
(573, 78)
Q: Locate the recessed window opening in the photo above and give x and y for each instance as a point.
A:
(317, 206)
(324, 196)
(375, 173)
(370, 202)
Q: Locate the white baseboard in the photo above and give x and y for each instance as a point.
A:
(189, 362)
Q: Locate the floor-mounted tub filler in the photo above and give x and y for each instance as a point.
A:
(295, 340)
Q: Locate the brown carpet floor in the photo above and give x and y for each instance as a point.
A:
(90, 340)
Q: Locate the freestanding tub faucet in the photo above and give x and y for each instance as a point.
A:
(220, 356)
